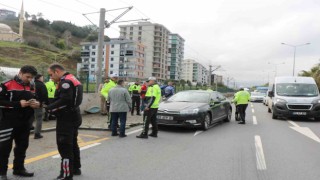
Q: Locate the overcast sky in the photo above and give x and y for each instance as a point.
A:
(242, 36)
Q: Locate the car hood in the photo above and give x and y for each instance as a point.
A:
(177, 106)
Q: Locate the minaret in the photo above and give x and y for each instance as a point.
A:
(21, 20)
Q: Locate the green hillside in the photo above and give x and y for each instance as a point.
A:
(45, 42)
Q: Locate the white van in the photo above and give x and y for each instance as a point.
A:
(294, 97)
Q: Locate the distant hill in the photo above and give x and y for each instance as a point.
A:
(45, 42)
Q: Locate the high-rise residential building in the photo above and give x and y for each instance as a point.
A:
(155, 37)
(194, 72)
(122, 56)
(176, 55)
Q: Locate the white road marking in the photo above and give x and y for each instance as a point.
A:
(135, 131)
(251, 105)
(81, 149)
(252, 110)
(198, 132)
(293, 124)
(261, 162)
(254, 119)
(305, 131)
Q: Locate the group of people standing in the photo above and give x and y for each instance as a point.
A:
(21, 100)
(143, 98)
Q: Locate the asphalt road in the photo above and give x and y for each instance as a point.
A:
(262, 149)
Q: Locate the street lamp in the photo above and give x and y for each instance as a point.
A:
(294, 53)
(276, 64)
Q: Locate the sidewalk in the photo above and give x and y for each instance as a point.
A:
(95, 122)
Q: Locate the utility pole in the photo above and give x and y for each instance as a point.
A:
(100, 46)
(210, 72)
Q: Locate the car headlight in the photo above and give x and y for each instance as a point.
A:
(278, 100)
(189, 111)
(316, 101)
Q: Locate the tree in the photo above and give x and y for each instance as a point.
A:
(33, 17)
(27, 15)
(313, 72)
(39, 15)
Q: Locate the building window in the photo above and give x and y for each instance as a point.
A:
(93, 59)
(140, 27)
(93, 46)
(111, 65)
(111, 59)
(112, 52)
(131, 33)
(86, 47)
(92, 65)
(131, 28)
(93, 53)
(139, 38)
(111, 72)
(112, 46)
(140, 32)
(131, 38)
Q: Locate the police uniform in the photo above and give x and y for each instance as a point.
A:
(152, 98)
(241, 99)
(135, 96)
(14, 123)
(68, 98)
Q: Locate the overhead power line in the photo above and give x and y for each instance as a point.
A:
(9, 6)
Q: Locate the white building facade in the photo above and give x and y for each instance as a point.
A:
(175, 56)
(194, 72)
(121, 56)
(155, 37)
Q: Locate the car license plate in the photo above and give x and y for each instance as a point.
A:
(299, 113)
(165, 117)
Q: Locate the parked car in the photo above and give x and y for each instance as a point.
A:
(257, 96)
(294, 97)
(194, 108)
(266, 99)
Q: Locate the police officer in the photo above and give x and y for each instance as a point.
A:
(241, 99)
(153, 97)
(17, 101)
(65, 106)
(135, 96)
(105, 90)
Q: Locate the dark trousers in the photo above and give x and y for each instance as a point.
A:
(242, 111)
(150, 116)
(18, 134)
(135, 103)
(114, 120)
(68, 123)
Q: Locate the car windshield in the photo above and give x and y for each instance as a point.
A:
(293, 89)
(190, 96)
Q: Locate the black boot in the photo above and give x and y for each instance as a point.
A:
(142, 136)
(60, 177)
(23, 173)
(77, 171)
(153, 135)
(37, 136)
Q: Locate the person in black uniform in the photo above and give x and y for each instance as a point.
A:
(68, 97)
(17, 101)
(42, 96)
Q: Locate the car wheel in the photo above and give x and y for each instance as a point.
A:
(228, 118)
(206, 122)
(274, 115)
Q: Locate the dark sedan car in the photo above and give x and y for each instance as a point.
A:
(194, 108)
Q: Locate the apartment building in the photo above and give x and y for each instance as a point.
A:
(122, 56)
(155, 37)
(194, 72)
(4, 13)
(175, 56)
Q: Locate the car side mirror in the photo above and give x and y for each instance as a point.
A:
(271, 94)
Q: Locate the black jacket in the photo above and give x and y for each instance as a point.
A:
(41, 92)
